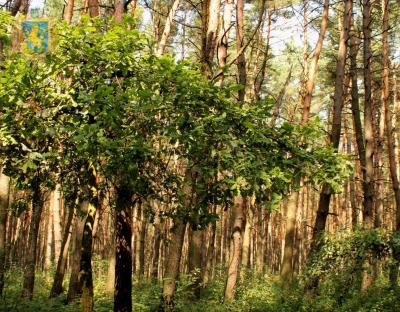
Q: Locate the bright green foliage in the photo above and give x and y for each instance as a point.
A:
(101, 104)
(5, 26)
(340, 267)
(348, 253)
(337, 292)
(339, 289)
(27, 128)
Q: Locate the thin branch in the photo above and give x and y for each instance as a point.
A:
(243, 49)
(180, 22)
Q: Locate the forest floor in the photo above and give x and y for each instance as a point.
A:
(254, 294)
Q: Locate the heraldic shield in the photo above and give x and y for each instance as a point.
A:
(36, 35)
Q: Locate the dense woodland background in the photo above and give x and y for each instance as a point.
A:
(200, 155)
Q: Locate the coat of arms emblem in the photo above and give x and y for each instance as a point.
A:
(36, 36)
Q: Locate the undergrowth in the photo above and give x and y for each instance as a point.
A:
(336, 268)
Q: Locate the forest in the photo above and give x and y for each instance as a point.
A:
(199, 155)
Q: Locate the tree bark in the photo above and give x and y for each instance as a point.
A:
(312, 73)
(37, 207)
(210, 254)
(118, 10)
(209, 33)
(235, 247)
(167, 29)
(85, 274)
(142, 246)
(291, 212)
(355, 109)
(75, 287)
(368, 116)
(62, 260)
(334, 138)
(389, 132)
(56, 197)
(94, 8)
(134, 6)
(261, 239)
(223, 42)
(279, 100)
(259, 78)
(156, 247)
(172, 265)
(379, 126)
(123, 251)
(69, 11)
(4, 202)
(247, 236)
(241, 60)
(395, 143)
(48, 236)
(111, 262)
(195, 255)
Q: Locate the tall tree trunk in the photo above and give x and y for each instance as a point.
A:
(196, 237)
(247, 235)
(395, 90)
(223, 41)
(75, 287)
(156, 245)
(368, 116)
(350, 185)
(292, 206)
(235, 247)
(167, 29)
(111, 271)
(210, 254)
(57, 289)
(142, 246)
(259, 78)
(37, 208)
(48, 236)
(312, 73)
(261, 239)
(118, 10)
(258, 48)
(172, 265)
(238, 216)
(334, 138)
(355, 109)
(309, 77)
(56, 197)
(85, 274)
(24, 8)
(306, 54)
(133, 7)
(69, 11)
(389, 131)
(11, 225)
(209, 33)
(379, 125)
(395, 139)
(135, 238)
(15, 7)
(241, 61)
(111, 262)
(291, 212)
(156, 20)
(4, 202)
(94, 8)
(279, 100)
(123, 251)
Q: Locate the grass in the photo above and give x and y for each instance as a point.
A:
(255, 294)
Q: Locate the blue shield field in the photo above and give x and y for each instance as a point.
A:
(36, 35)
